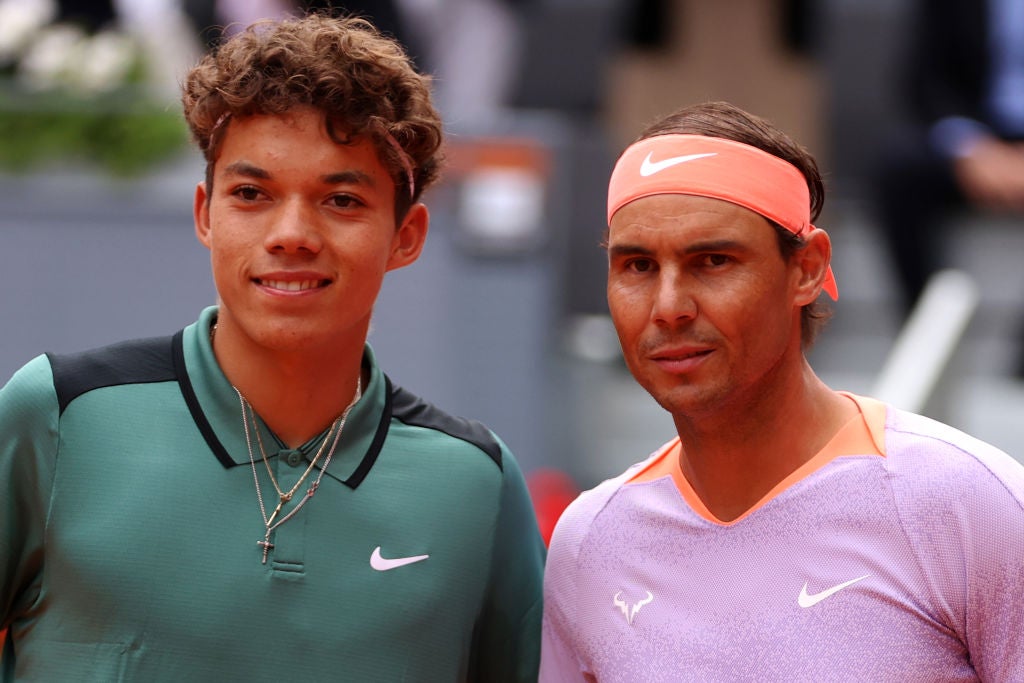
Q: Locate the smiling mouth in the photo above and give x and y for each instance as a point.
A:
(293, 285)
(681, 356)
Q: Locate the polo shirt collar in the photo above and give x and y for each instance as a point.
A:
(217, 411)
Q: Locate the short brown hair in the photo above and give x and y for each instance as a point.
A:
(727, 121)
(363, 82)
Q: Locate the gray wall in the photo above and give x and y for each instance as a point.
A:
(89, 260)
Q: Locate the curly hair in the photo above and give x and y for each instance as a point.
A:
(727, 121)
(363, 82)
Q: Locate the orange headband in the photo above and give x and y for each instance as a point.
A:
(720, 169)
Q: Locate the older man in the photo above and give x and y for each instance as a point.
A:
(788, 532)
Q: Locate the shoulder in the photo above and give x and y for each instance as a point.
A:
(943, 457)
(28, 394)
(138, 361)
(577, 521)
(29, 422)
(960, 501)
(446, 429)
(956, 496)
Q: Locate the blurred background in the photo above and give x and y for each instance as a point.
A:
(503, 319)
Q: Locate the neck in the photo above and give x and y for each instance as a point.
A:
(736, 456)
(297, 394)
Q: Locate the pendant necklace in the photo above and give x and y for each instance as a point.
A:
(271, 522)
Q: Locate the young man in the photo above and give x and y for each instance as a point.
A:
(252, 498)
(789, 531)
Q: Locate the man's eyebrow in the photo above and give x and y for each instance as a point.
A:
(620, 250)
(714, 245)
(250, 170)
(244, 168)
(704, 246)
(348, 178)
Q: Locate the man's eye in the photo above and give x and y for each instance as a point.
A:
(640, 265)
(716, 259)
(248, 193)
(344, 201)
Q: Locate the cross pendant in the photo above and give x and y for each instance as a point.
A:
(267, 545)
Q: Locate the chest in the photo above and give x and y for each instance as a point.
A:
(153, 545)
(805, 589)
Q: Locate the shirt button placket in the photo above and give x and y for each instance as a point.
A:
(291, 464)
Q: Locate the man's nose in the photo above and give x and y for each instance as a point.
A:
(295, 228)
(673, 300)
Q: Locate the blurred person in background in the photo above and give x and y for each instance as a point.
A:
(252, 498)
(471, 47)
(211, 18)
(92, 15)
(962, 86)
(788, 531)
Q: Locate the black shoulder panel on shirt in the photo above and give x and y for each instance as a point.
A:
(139, 361)
(413, 410)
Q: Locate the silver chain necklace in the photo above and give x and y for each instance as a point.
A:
(269, 521)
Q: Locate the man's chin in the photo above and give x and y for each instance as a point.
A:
(684, 401)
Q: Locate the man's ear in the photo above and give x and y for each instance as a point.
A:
(812, 262)
(201, 214)
(410, 237)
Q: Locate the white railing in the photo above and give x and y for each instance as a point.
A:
(920, 358)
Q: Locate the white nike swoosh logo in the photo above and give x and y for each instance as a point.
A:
(806, 600)
(649, 167)
(383, 564)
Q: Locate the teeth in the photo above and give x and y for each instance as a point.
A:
(291, 286)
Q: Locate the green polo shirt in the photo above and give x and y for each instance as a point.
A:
(129, 530)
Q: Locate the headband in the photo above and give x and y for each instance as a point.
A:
(404, 159)
(717, 168)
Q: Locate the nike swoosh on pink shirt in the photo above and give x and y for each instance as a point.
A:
(807, 600)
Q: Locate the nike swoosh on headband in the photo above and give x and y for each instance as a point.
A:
(649, 168)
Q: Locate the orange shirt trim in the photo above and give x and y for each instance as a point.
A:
(863, 434)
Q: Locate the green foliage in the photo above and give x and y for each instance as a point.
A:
(124, 132)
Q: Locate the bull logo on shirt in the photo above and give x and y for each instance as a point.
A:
(629, 611)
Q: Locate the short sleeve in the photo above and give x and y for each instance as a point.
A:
(559, 661)
(507, 647)
(28, 421)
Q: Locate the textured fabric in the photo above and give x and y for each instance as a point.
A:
(129, 526)
(904, 567)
